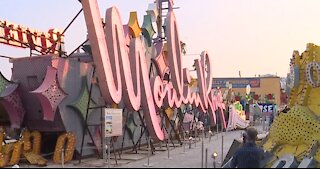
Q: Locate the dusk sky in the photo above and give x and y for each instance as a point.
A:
(251, 36)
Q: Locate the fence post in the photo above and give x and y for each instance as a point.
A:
(206, 162)
(62, 158)
(222, 140)
(108, 144)
(149, 153)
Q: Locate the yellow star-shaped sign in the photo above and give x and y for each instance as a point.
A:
(134, 28)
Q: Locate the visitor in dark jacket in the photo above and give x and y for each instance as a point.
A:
(249, 155)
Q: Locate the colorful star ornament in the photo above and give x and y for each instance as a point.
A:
(131, 126)
(153, 11)
(147, 29)
(11, 101)
(170, 113)
(3, 82)
(50, 94)
(81, 104)
(134, 28)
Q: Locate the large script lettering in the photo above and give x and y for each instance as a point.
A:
(123, 76)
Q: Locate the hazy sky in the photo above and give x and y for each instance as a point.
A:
(251, 36)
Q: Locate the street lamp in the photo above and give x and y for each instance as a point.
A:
(210, 135)
(214, 156)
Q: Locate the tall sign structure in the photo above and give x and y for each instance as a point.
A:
(123, 73)
(296, 129)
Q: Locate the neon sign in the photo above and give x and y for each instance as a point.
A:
(20, 36)
(124, 75)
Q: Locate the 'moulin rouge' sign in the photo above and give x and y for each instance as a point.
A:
(123, 74)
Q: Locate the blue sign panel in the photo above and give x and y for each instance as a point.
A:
(267, 108)
(236, 82)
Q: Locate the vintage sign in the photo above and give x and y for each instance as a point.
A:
(113, 122)
(123, 74)
(19, 36)
(267, 108)
(236, 82)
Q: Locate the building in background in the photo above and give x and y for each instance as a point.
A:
(264, 89)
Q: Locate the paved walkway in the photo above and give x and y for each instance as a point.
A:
(180, 157)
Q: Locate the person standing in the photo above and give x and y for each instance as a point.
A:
(249, 155)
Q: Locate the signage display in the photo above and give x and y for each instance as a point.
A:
(124, 75)
(236, 82)
(113, 122)
(50, 42)
(267, 108)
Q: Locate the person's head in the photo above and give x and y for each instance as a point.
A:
(252, 134)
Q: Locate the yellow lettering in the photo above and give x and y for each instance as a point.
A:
(21, 36)
(24, 38)
(55, 37)
(36, 40)
(14, 35)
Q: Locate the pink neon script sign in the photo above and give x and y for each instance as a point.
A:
(124, 76)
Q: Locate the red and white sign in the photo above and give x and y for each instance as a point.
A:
(23, 37)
